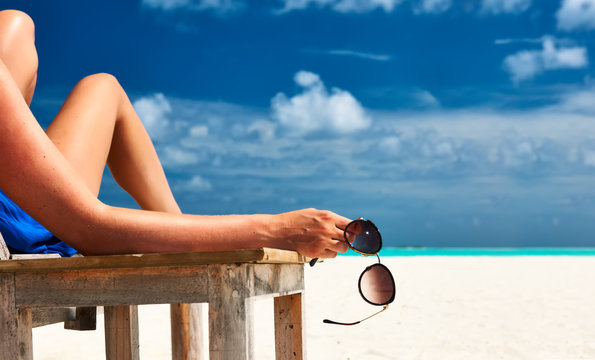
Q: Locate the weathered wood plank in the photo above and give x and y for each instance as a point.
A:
(187, 332)
(262, 255)
(47, 316)
(289, 332)
(112, 287)
(121, 332)
(25, 334)
(277, 279)
(144, 285)
(8, 316)
(4, 253)
(230, 312)
(34, 256)
(85, 319)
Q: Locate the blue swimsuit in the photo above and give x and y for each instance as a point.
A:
(23, 234)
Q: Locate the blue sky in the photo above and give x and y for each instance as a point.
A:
(447, 122)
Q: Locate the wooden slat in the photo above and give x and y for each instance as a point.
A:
(85, 319)
(112, 287)
(121, 332)
(34, 256)
(186, 332)
(8, 316)
(230, 313)
(289, 332)
(145, 285)
(25, 334)
(276, 279)
(262, 255)
(47, 316)
(4, 253)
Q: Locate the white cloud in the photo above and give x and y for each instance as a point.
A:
(264, 129)
(342, 6)
(576, 15)
(153, 112)
(307, 79)
(231, 141)
(316, 109)
(432, 6)
(221, 6)
(195, 184)
(358, 54)
(199, 130)
(527, 64)
(390, 145)
(425, 99)
(582, 102)
(173, 155)
(505, 6)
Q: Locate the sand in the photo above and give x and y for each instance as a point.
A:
(446, 308)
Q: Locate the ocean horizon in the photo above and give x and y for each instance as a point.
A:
(483, 251)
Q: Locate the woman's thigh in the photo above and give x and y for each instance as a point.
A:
(83, 128)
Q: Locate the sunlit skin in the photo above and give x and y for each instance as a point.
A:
(55, 175)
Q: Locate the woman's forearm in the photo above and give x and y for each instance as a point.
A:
(113, 230)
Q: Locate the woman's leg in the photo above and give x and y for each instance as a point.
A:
(17, 50)
(97, 125)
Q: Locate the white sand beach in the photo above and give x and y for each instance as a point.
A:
(446, 308)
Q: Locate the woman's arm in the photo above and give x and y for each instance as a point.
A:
(40, 180)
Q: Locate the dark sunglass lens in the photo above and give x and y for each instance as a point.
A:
(363, 236)
(377, 285)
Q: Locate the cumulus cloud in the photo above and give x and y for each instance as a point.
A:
(196, 184)
(221, 6)
(505, 6)
(527, 64)
(227, 142)
(342, 6)
(317, 109)
(153, 112)
(432, 6)
(576, 15)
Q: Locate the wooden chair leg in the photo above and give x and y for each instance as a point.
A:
(25, 334)
(289, 333)
(230, 314)
(85, 319)
(186, 332)
(15, 324)
(121, 332)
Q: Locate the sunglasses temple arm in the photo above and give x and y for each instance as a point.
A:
(327, 321)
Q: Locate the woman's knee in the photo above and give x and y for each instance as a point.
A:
(15, 22)
(17, 49)
(102, 80)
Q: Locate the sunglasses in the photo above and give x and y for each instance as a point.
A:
(376, 283)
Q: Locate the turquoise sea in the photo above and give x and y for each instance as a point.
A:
(528, 251)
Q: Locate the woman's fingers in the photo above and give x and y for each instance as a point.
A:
(328, 254)
(341, 222)
(337, 246)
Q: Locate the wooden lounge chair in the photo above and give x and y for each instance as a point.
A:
(35, 291)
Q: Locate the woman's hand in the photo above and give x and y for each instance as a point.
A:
(312, 232)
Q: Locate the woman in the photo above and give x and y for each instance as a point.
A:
(54, 176)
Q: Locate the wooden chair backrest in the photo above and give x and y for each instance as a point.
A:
(4, 253)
